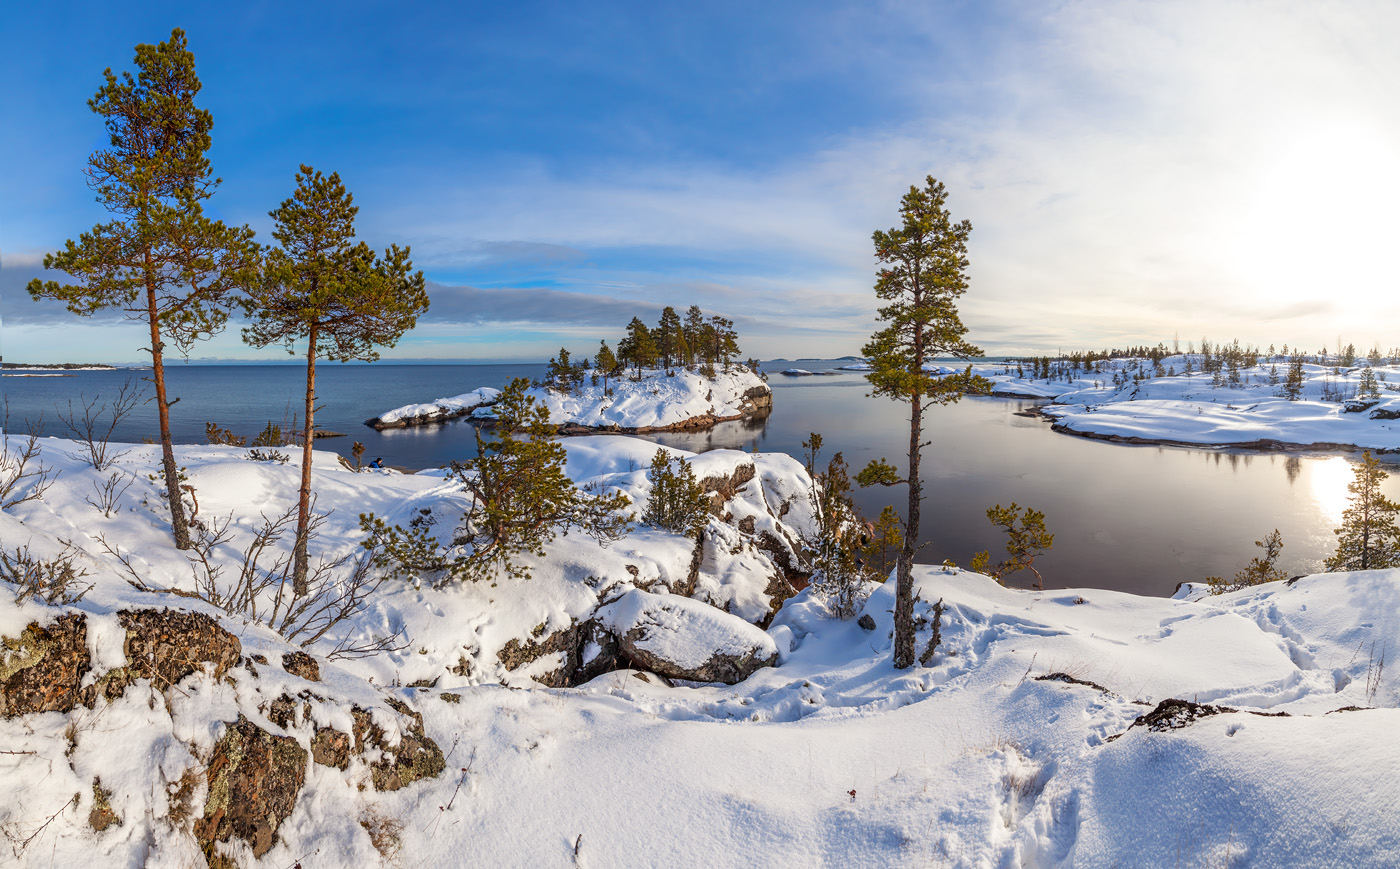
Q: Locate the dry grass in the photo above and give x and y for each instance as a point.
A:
(182, 796)
(383, 833)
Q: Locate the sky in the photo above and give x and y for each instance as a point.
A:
(1134, 172)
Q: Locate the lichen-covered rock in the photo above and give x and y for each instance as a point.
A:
(102, 816)
(166, 645)
(1174, 714)
(41, 670)
(588, 652)
(413, 757)
(330, 747)
(254, 780)
(303, 665)
(683, 638)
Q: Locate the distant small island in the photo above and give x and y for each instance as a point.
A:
(56, 366)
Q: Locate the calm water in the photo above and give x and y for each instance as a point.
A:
(1133, 518)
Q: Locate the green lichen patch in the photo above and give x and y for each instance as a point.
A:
(102, 814)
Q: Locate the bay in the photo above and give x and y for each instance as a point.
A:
(1125, 517)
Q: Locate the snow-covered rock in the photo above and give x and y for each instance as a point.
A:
(682, 638)
(437, 410)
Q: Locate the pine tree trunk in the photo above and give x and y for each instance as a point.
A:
(904, 582)
(299, 557)
(178, 525)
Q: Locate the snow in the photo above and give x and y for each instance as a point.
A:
(441, 408)
(660, 399)
(683, 631)
(832, 757)
(1188, 409)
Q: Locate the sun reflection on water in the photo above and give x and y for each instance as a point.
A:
(1328, 479)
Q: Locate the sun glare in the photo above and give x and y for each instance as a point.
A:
(1328, 479)
(1323, 220)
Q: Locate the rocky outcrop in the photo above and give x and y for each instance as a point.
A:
(724, 487)
(392, 764)
(41, 669)
(683, 638)
(166, 645)
(588, 652)
(254, 779)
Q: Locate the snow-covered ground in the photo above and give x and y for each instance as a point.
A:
(658, 400)
(1179, 408)
(831, 757)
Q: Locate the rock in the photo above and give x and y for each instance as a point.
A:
(330, 747)
(589, 651)
(681, 638)
(727, 486)
(303, 665)
(40, 671)
(1173, 714)
(254, 780)
(102, 816)
(415, 756)
(866, 622)
(166, 645)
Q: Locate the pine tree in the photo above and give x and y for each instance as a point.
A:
(1368, 387)
(677, 501)
(923, 272)
(1293, 383)
(320, 287)
(1369, 538)
(638, 347)
(521, 495)
(694, 329)
(160, 260)
(1026, 538)
(1259, 571)
(669, 336)
(605, 362)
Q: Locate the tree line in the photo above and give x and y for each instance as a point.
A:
(695, 342)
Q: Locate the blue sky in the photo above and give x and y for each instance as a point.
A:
(1132, 171)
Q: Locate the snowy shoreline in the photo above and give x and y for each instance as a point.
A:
(658, 401)
(1125, 402)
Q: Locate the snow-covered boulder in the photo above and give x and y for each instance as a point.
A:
(683, 638)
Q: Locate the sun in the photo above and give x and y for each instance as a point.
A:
(1323, 222)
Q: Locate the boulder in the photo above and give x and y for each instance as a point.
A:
(40, 671)
(166, 645)
(588, 651)
(303, 665)
(254, 780)
(683, 638)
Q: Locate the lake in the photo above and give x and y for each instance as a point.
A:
(1130, 518)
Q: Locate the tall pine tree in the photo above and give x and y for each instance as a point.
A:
(160, 260)
(923, 272)
(320, 287)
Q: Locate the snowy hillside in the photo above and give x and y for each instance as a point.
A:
(1039, 733)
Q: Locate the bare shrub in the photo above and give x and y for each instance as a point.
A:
(92, 422)
(53, 581)
(336, 589)
(22, 476)
(109, 492)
